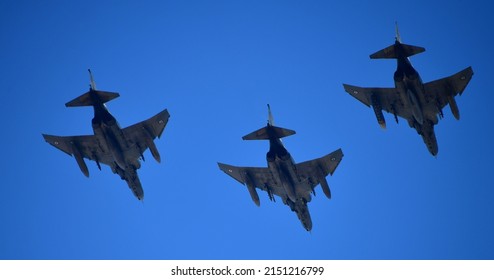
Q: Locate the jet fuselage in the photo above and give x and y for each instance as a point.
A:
(110, 135)
(284, 172)
(106, 128)
(410, 87)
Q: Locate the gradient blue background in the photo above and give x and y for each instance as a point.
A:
(215, 65)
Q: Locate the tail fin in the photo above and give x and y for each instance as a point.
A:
(93, 96)
(270, 116)
(269, 131)
(397, 37)
(92, 84)
(392, 52)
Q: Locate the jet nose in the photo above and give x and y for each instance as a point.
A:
(307, 223)
(433, 150)
(308, 226)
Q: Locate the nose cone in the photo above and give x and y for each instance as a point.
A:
(433, 149)
(140, 197)
(431, 141)
(304, 217)
(307, 225)
(138, 193)
(135, 185)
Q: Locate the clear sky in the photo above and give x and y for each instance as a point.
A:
(215, 65)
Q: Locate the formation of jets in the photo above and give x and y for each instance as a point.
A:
(421, 104)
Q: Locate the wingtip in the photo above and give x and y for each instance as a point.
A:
(223, 167)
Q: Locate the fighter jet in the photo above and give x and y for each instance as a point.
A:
(119, 148)
(420, 104)
(292, 182)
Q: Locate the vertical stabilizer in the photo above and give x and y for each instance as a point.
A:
(92, 84)
(270, 131)
(397, 37)
(270, 116)
(397, 50)
(93, 96)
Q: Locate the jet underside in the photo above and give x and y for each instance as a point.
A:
(418, 103)
(121, 149)
(292, 182)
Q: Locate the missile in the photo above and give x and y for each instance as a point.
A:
(376, 105)
(393, 110)
(270, 194)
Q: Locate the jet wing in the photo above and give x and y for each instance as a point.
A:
(388, 98)
(140, 136)
(439, 90)
(314, 171)
(87, 145)
(261, 178)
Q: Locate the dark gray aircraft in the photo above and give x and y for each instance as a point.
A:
(294, 183)
(420, 104)
(119, 148)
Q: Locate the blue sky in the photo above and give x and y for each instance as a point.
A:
(215, 65)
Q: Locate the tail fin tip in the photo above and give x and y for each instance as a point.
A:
(270, 116)
(92, 84)
(397, 37)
